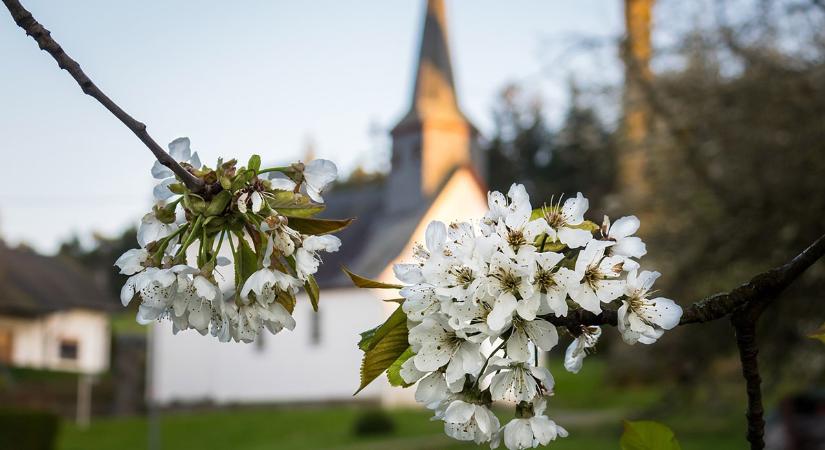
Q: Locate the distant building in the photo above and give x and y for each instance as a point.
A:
(53, 315)
(434, 175)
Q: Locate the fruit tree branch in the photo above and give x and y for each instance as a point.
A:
(39, 33)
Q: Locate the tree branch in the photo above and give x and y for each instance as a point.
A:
(39, 33)
(744, 323)
(761, 289)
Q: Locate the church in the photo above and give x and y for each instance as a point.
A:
(436, 174)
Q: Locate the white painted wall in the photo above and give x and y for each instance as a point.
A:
(36, 342)
(287, 367)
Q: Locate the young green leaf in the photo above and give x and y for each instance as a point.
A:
(384, 347)
(394, 371)
(366, 283)
(218, 203)
(246, 262)
(254, 163)
(307, 225)
(292, 205)
(313, 292)
(647, 435)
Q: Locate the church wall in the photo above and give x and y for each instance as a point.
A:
(313, 363)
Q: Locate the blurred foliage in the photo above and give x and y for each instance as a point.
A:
(647, 435)
(575, 157)
(738, 175)
(28, 429)
(373, 422)
(100, 257)
(736, 166)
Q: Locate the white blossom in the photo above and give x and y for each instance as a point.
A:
(641, 319)
(179, 150)
(577, 350)
(538, 430)
(132, 261)
(470, 422)
(599, 277)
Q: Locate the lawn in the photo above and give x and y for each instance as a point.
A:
(591, 412)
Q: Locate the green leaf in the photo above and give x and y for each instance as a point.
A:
(177, 188)
(194, 203)
(366, 283)
(246, 262)
(647, 435)
(370, 337)
(819, 333)
(254, 163)
(316, 227)
(394, 371)
(313, 292)
(384, 347)
(292, 204)
(218, 203)
(537, 213)
(587, 225)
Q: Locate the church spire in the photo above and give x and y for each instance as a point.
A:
(434, 138)
(434, 95)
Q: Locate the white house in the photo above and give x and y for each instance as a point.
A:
(53, 315)
(435, 175)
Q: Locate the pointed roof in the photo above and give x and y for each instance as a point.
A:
(434, 96)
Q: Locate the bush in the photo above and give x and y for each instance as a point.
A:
(28, 430)
(373, 422)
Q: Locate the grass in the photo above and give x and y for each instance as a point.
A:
(586, 405)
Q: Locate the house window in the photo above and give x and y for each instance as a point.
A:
(68, 349)
(315, 329)
(5, 346)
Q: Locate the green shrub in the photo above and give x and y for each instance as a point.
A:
(373, 422)
(28, 430)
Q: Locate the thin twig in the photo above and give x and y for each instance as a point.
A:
(39, 33)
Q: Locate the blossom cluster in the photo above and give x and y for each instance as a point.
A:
(256, 227)
(481, 300)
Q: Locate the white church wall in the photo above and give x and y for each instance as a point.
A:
(292, 366)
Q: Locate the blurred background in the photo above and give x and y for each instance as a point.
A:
(706, 119)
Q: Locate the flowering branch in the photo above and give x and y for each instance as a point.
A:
(39, 33)
(762, 288)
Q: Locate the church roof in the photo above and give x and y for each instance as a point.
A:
(434, 96)
(371, 242)
(33, 284)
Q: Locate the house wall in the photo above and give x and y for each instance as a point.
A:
(288, 367)
(36, 342)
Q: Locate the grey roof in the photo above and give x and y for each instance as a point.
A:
(373, 240)
(33, 284)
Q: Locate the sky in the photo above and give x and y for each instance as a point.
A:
(238, 78)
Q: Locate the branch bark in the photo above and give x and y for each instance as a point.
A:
(24, 19)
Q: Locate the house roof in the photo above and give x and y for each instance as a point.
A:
(33, 284)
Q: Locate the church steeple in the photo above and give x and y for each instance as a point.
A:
(434, 95)
(433, 137)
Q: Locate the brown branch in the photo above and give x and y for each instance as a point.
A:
(744, 323)
(39, 33)
(761, 289)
